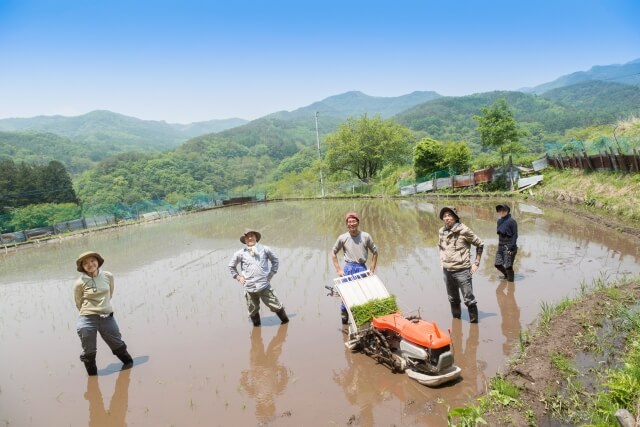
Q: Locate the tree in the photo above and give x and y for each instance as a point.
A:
(498, 128)
(427, 157)
(430, 156)
(57, 184)
(362, 147)
(457, 156)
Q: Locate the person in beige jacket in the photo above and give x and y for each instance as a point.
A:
(454, 242)
(92, 294)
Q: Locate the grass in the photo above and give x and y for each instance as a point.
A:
(616, 388)
(610, 193)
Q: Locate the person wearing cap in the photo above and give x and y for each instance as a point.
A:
(507, 229)
(455, 241)
(253, 267)
(92, 294)
(356, 246)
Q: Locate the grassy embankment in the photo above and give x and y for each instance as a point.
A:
(604, 316)
(608, 194)
(581, 377)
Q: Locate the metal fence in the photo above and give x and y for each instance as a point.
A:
(601, 161)
(35, 234)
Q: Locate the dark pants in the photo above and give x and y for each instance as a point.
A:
(504, 261)
(88, 328)
(457, 282)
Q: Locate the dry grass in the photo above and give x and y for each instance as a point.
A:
(607, 192)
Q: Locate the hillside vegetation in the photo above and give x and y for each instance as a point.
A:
(117, 159)
(610, 193)
(82, 141)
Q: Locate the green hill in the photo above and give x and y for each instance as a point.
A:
(40, 148)
(576, 106)
(79, 142)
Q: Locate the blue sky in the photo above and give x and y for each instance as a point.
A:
(184, 61)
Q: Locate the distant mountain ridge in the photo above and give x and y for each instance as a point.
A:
(82, 141)
(628, 73)
(87, 126)
(356, 103)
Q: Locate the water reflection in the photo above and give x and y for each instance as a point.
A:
(174, 274)
(365, 386)
(467, 357)
(266, 378)
(509, 314)
(116, 413)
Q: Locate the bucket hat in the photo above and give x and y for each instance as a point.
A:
(452, 211)
(247, 231)
(86, 255)
(503, 207)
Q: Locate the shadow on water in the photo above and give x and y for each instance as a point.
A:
(177, 304)
(114, 368)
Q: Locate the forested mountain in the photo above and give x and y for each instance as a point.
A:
(355, 103)
(605, 102)
(40, 148)
(266, 149)
(628, 73)
(80, 142)
(113, 128)
(547, 116)
(259, 152)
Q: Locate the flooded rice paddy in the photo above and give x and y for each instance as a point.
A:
(198, 360)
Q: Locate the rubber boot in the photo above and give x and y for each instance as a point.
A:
(283, 316)
(124, 356)
(511, 275)
(473, 313)
(256, 319)
(89, 361)
(456, 312)
(502, 270)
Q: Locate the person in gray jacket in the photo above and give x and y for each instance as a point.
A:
(454, 243)
(253, 267)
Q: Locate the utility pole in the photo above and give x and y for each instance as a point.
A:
(319, 157)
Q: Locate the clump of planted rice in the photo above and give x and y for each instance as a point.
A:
(363, 313)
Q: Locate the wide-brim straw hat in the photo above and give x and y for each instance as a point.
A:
(452, 211)
(247, 231)
(86, 255)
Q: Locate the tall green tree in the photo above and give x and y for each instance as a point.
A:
(428, 155)
(362, 147)
(498, 128)
(57, 185)
(457, 156)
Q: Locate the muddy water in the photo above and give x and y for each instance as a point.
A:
(198, 361)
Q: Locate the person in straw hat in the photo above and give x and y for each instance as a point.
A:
(253, 267)
(92, 294)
